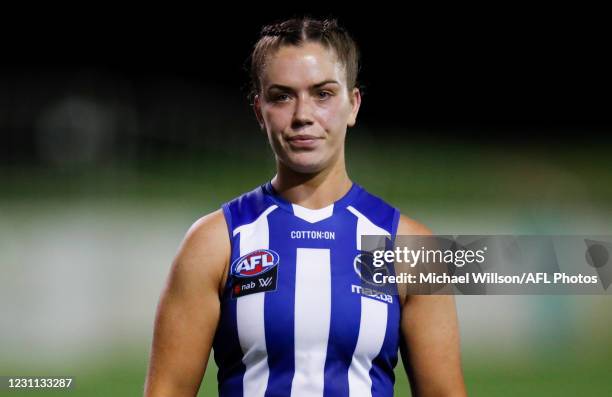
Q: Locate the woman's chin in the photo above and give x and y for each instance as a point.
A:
(306, 163)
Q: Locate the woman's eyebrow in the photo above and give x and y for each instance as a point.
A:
(325, 83)
(287, 88)
(279, 87)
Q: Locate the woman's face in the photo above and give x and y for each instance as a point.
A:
(305, 106)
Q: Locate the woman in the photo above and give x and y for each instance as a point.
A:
(269, 282)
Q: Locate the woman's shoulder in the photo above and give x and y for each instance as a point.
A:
(205, 250)
(206, 238)
(207, 227)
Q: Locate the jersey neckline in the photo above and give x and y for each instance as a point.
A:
(341, 203)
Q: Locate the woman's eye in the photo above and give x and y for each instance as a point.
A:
(281, 98)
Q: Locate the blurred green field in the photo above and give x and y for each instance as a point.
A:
(450, 186)
(559, 374)
(434, 173)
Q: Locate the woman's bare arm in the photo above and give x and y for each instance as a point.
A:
(431, 348)
(188, 310)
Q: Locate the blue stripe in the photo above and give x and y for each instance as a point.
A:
(345, 308)
(228, 354)
(226, 345)
(381, 373)
(279, 311)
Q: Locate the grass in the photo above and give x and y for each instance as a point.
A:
(554, 374)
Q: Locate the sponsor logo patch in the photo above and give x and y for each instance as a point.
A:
(364, 268)
(254, 272)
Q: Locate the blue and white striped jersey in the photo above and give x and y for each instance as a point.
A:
(293, 319)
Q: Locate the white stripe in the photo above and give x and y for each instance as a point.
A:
(250, 313)
(373, 321)
(372, 328)
(312, 320)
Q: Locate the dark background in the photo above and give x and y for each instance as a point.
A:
(175, 80)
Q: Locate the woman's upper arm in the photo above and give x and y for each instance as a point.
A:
(188, 310)
(431, 337)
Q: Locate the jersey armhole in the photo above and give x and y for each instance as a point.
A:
(395, 224)
(227, 214)
(394, 227)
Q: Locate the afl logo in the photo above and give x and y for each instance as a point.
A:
(255, 263)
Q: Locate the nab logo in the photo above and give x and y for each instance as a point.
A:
(255, 263)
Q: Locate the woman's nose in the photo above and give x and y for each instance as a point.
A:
(302, 114)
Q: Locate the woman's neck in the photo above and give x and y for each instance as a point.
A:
(314, 191)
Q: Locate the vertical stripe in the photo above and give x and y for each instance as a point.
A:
(250, 313)
(372, 324)
(312, 319)
(372, 327)
(278, 310)
(345, 308)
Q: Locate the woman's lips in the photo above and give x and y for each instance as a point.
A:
(303, 141)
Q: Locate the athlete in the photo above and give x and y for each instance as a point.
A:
(269, 281)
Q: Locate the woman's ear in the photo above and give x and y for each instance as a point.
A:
(257, 110)
(355, 99)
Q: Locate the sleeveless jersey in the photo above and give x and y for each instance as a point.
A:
(294, 319)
